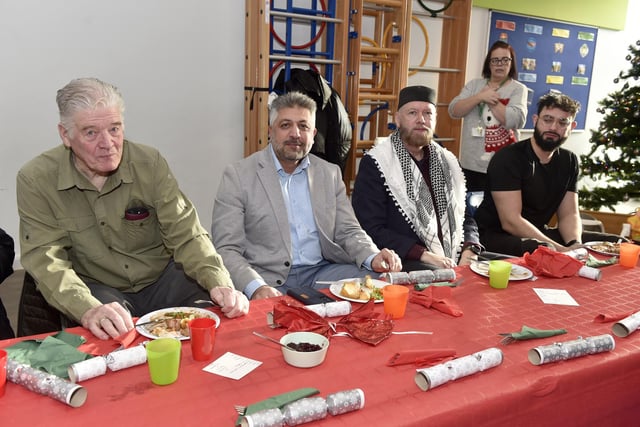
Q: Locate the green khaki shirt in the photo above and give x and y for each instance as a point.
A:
(69, 231)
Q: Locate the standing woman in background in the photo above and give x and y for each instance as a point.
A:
(493, 108)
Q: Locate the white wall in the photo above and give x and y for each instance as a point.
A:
(178, 64)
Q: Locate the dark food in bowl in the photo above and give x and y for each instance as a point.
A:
(304, 346)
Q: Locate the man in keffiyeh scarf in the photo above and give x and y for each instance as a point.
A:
(409, 194)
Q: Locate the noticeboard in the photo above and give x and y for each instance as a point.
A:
(550, 56)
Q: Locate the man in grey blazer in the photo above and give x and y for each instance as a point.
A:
(282, 219)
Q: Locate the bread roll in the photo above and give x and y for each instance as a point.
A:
(350, 290)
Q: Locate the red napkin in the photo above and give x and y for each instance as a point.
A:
(99, 348)
(547, 262)
(422, 358)
(363, 323)
(612, 317)
(296, 318)
(436, 297)
(366, 325)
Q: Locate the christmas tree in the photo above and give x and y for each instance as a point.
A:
(614, 160)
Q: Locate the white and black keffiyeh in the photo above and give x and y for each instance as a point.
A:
(413, 198)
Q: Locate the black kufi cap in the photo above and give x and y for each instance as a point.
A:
(416, 93)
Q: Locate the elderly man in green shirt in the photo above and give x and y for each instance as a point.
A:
(105, 230)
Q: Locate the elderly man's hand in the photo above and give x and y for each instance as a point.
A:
(107, 320)
(233, 302)
(386, 260)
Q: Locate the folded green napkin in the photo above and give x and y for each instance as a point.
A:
(595, 262)
(54, 354)
(527, 333)
(278, 401)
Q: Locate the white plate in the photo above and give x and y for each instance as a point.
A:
(337, 286)
(147, 318)
(593, 246)
(517, 271)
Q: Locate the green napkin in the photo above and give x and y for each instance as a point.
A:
(527, 333)
(278, 401)
(423, 286)
(596, 263)
(54, 354)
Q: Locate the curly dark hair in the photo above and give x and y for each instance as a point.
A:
(558, 100)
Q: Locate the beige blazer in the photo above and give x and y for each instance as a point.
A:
(250, 226)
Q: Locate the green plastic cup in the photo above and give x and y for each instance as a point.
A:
(499, 272)
(163, 357)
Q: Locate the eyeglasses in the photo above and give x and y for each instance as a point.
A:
(500, 61)
(550, 120)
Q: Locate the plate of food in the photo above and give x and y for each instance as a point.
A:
(171, 322)
(359, 290)
(518, 272)
(604, 248)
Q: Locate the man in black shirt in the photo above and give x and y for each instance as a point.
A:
(530, 181)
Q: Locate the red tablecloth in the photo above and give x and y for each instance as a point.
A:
(599, 389)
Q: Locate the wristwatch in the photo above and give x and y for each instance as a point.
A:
(474, 247)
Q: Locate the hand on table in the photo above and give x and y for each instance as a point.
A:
(467, 257)
(107, 320)
(439, 261)
(266, 291)
(233, 303)
(576, 245)
(386, 260)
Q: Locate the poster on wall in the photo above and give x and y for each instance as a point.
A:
(550, 56)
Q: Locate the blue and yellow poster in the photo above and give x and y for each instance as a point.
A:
(550, 56)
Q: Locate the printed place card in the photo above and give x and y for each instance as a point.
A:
(232, 366)
(555, 296)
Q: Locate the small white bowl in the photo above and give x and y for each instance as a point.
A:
(304, 359)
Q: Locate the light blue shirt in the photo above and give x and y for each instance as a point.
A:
(305, 243)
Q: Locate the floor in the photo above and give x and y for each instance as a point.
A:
(10, 293)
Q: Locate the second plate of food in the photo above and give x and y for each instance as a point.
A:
(518, 272)
(358, 290)
(171, 322)
(604, 248)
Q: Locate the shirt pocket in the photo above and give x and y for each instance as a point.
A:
(143, 234)
(84, 235)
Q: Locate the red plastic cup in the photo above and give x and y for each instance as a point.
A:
(3, 371)
(203, 335)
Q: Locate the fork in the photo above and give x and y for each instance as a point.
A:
(507, 339)
(152, 322)
(240, 409)
(207, 301)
